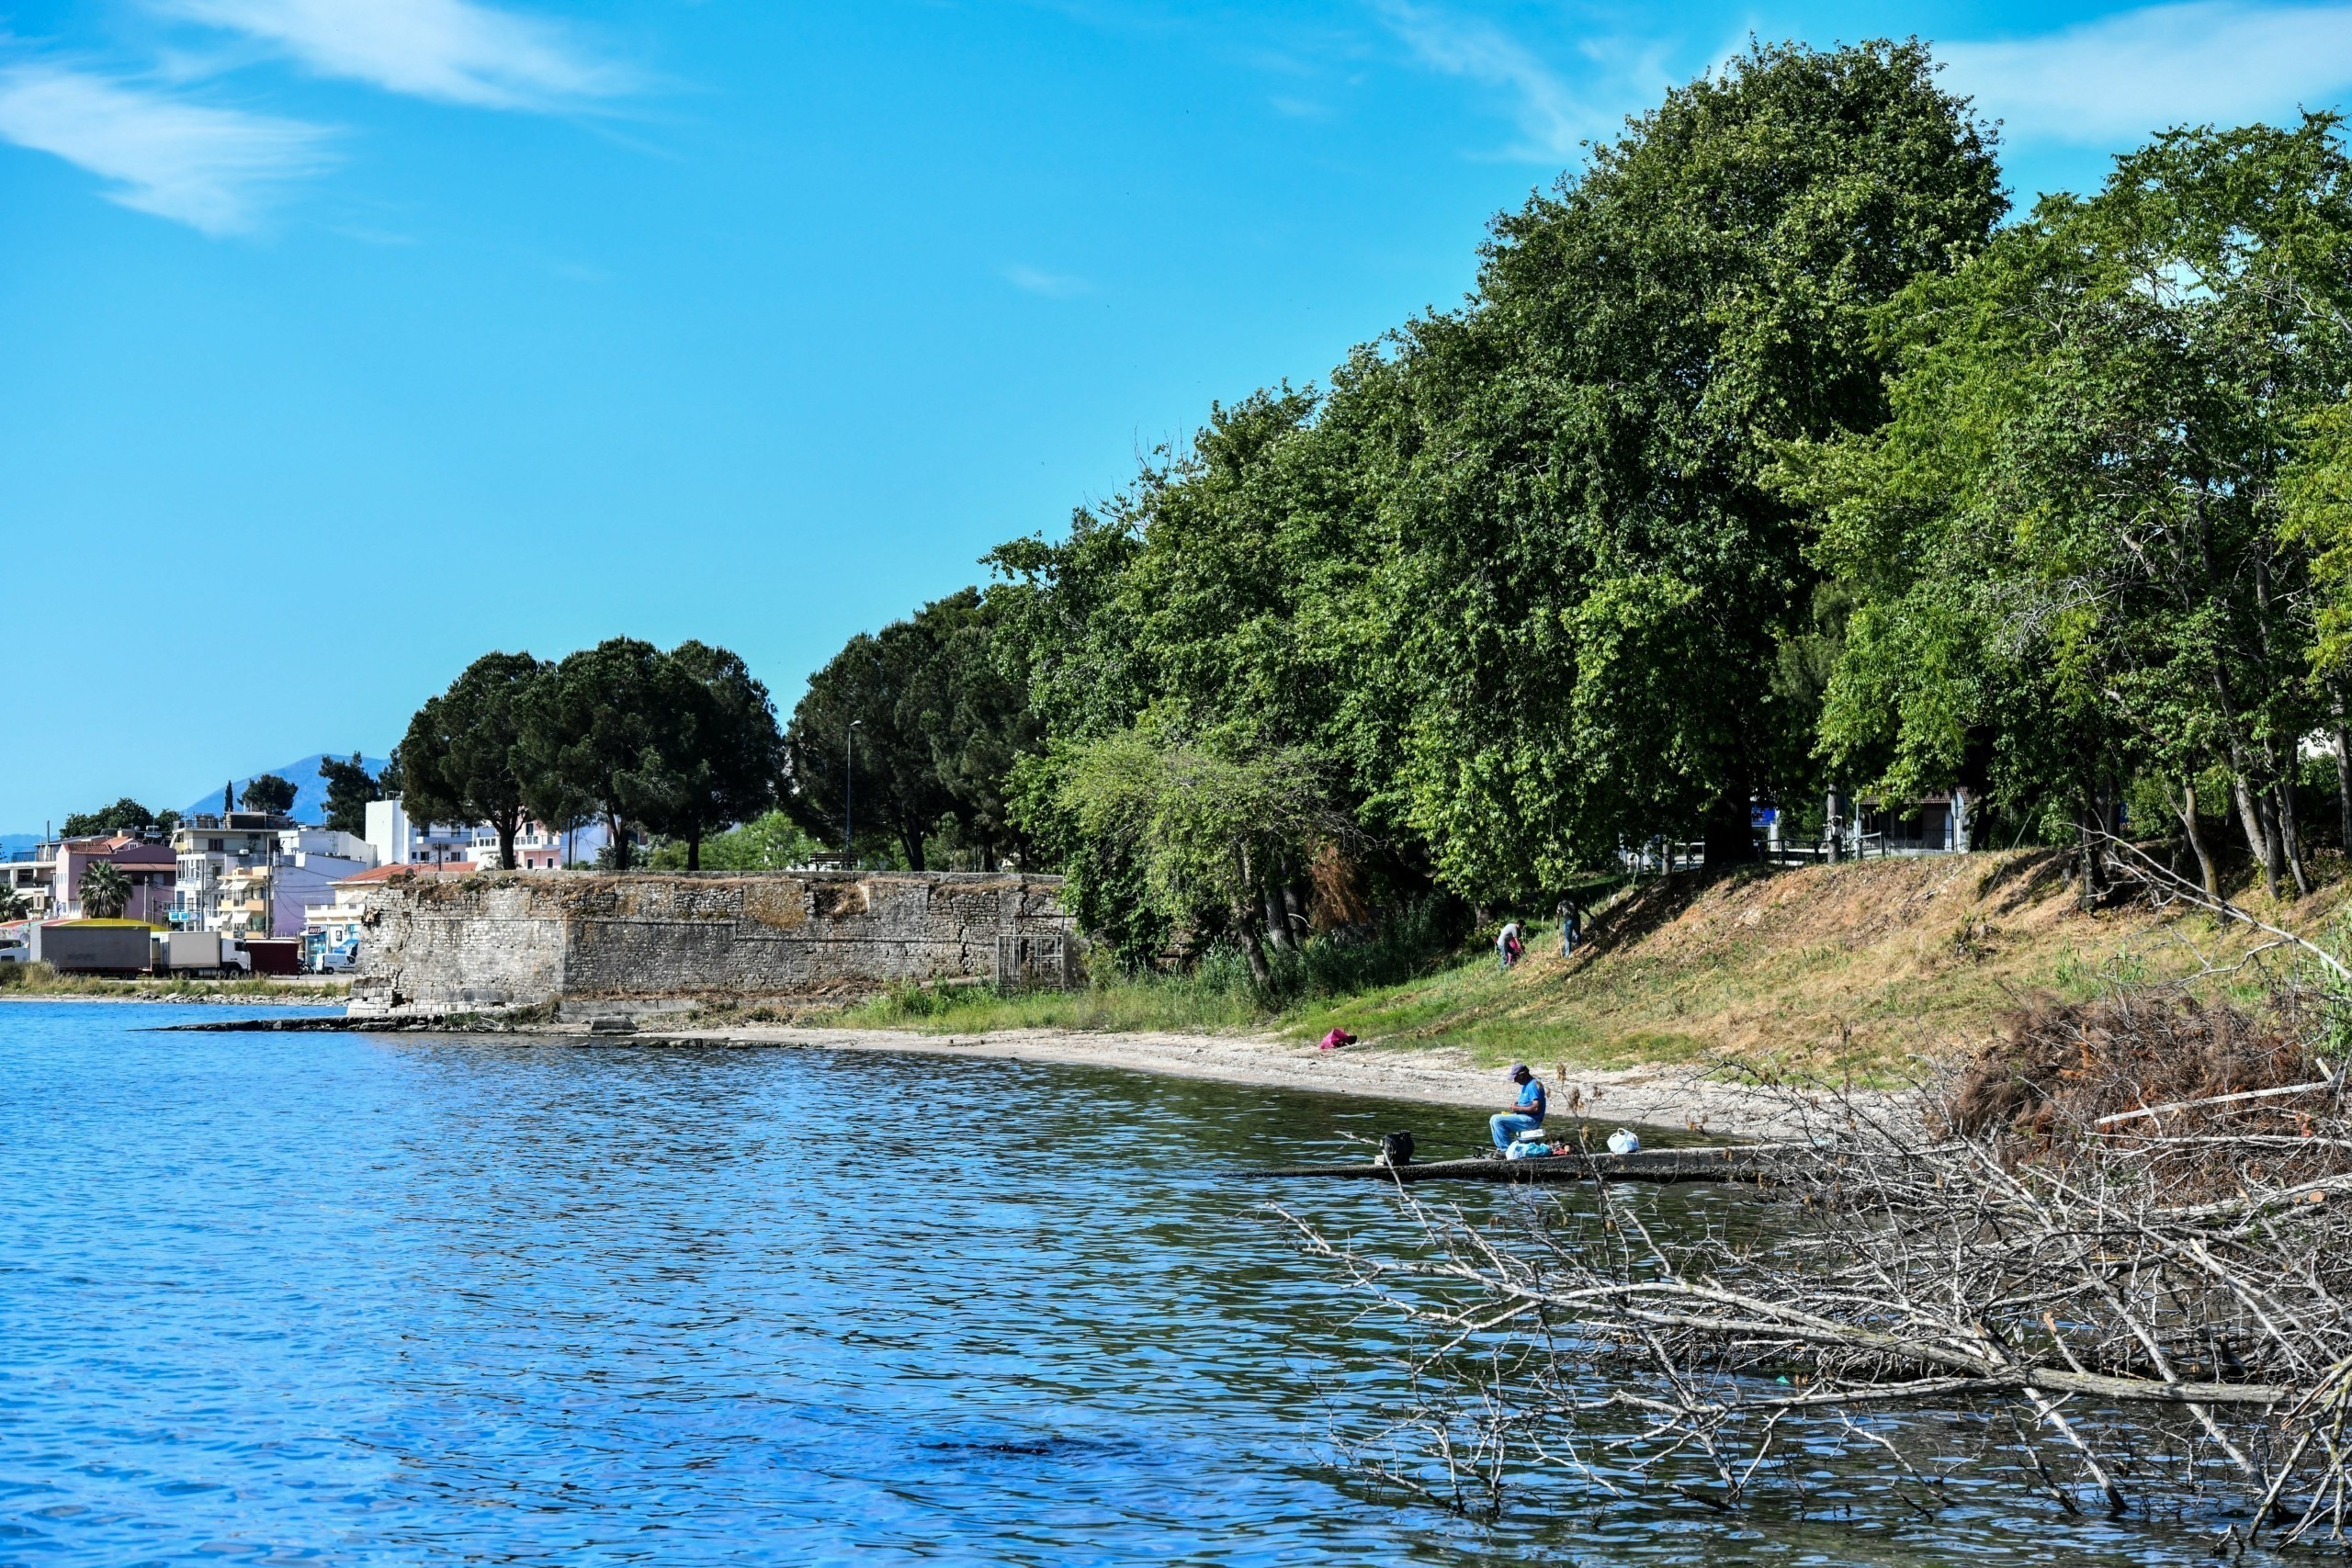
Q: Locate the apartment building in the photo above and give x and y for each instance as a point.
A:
(255, 874)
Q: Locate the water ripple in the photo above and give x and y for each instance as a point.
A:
(302, 1299)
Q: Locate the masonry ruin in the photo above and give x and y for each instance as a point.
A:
(440, 943)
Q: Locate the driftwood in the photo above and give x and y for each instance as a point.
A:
(2211, 1101)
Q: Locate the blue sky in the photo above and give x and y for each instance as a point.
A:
(342, 339)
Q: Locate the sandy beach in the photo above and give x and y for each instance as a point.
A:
(1681, 1098)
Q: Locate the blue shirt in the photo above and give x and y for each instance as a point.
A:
(1530, 1098)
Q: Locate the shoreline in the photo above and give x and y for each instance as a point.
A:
(1678, 1099)
(1688, 1098)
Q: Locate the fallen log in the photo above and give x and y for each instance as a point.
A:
(1744, 1162)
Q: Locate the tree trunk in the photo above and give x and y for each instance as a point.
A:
(619, 845)
(2344, 775)
(1253, 946)
(2186, 807)
(912, 844)
(694, 852)
(506, 825)
(2280, 818)
(1277, 929)
(1731, 839)
(2093, 889)
(2290, 840)
(1295, 918)
(2255, 820)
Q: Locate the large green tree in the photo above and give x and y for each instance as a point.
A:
(588, 738)
(1229, 595)
(461, 759)
(715, 751)
(1592, 579)
(350, 787)
(1517, 584)
(1209, 827)
(938, 724)
(268, 793)
(2074, 541)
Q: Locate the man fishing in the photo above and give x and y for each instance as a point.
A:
(1527, 1114)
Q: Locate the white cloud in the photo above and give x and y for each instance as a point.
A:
(206, 167)
(454, 51)
(1052, 285)
(2118, 79)
(1552, 116)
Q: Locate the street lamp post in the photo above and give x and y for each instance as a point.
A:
(849, 794)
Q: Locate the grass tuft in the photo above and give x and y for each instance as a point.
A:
(44, 980)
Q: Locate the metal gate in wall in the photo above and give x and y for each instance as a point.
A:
(1027, 961)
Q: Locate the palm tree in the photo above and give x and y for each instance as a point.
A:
(105, 892)
(12, 906)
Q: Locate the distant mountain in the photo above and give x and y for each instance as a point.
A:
(11, 842)
(310, 790)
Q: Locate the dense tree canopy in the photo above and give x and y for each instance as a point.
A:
(681, 743)
(588, 725)
(268, 793)
(713, 761)
(937, 728)
(1518, 588)
(458, 761)
(1600, 580)
(125, 816)
(2071, 542)
(1763, 458)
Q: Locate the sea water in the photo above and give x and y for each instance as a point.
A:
(293, 1298)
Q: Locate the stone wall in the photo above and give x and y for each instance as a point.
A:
(508, 939)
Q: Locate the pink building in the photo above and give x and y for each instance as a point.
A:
(150, 868)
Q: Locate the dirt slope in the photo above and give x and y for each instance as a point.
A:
(1858, 967)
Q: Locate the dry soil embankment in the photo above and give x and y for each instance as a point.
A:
(1856, 968)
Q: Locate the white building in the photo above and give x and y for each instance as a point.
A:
(536, 848)
(32, 878)
(400, 842)
(255, 874)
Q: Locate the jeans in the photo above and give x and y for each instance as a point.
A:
(1504, 1124)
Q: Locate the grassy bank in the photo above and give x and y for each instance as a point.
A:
(1849, 968)
(32, 980)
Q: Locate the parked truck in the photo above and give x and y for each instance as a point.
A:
(182, 952)
(91, 947)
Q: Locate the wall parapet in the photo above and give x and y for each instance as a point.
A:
(440, 943)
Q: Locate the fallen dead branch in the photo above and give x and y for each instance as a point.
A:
(2114, 1255)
